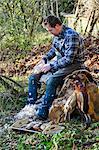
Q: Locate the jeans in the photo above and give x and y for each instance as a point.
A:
(51, 86)
(32, 88)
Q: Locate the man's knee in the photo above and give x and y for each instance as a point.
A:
(32, 77)
(51, 81)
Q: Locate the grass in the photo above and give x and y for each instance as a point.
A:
(62, 141)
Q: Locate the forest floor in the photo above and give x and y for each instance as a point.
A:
(18, 64)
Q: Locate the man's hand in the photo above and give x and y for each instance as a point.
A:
(38, 67)
(46, 68)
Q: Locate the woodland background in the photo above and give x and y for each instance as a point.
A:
(23, 41)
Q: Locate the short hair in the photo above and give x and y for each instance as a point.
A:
(52, 21)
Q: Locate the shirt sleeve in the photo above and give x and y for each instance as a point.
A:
(71, 45)
(51, 54)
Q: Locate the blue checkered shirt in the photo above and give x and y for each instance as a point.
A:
(70, 45)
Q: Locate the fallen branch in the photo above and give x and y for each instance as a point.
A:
(13, 88)
(8, 86)
(11, 80)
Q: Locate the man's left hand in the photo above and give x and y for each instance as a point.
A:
(46, 68)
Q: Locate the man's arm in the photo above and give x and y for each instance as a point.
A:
(51, 54)
(71, 48)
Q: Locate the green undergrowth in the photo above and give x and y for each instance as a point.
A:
(22, 43)
(72, 136)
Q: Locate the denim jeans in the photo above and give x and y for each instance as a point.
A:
(33, 84)
(51, 86)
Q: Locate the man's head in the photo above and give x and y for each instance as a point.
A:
(53, 24)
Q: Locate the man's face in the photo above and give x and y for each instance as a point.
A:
(53, 30)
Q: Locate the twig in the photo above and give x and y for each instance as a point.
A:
(7, 85)
(11, 80)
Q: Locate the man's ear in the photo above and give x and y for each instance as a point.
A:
(57, 26)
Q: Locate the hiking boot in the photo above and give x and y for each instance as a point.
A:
(42, 113)
(28, 111)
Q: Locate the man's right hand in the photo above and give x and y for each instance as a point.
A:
(38, 67)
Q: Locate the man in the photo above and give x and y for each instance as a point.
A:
(70, 46)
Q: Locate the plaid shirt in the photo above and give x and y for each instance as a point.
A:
(70, 45)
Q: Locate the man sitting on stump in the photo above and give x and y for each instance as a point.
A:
(70, 46)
